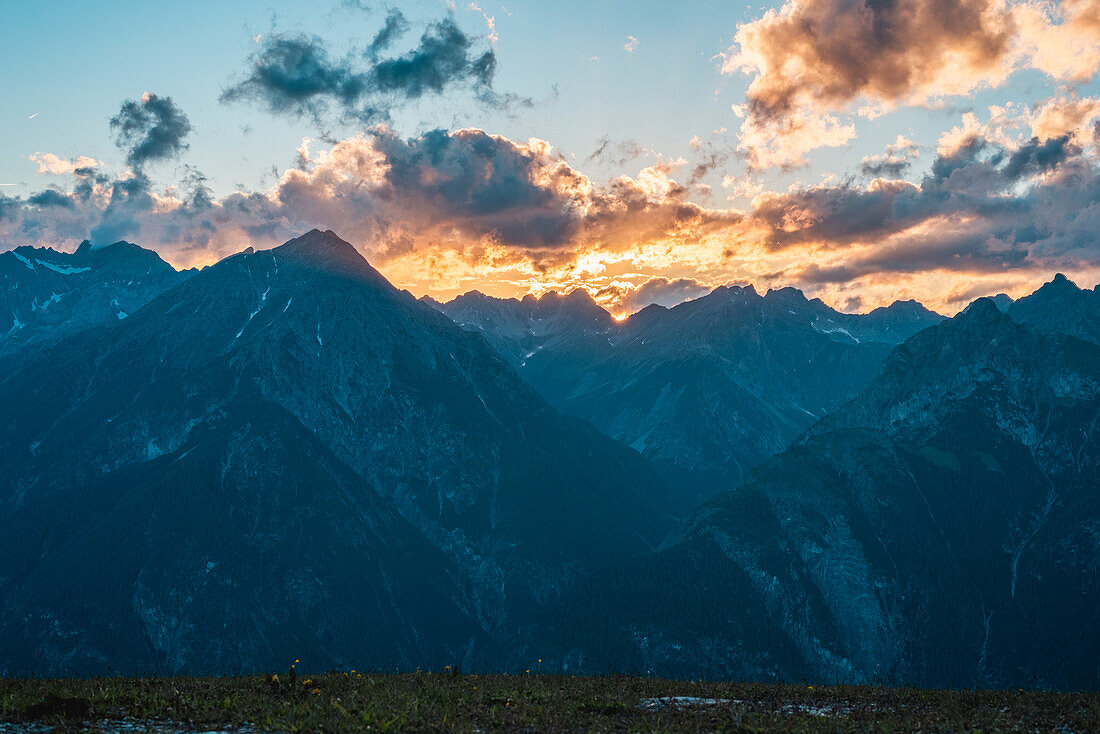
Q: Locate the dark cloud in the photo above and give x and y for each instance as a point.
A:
(983, 207)
(486, 184)
(1037, 156)
(293, 73)
(898, 156)
(890, 168)
(51, 197)
(130, 199)
(149, 129)
(198, 194)
(442, 57)
(393, 28)
(852, 304)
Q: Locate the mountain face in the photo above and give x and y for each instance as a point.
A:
(942, 528)
(286, 457)
(551, 340)
(47, 295)
(705, 390)
(1061, 307)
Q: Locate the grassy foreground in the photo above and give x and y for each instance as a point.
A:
(437, 702)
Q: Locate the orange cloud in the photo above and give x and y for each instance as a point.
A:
(448, 212)
(58, 166)
(812, 59)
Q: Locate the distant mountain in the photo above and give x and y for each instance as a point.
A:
(706, 390)
(891, 324)
(552, 340)
(47, 295)
(1060, 306)
(286, 457)
(939, 529)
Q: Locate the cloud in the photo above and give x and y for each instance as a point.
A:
(393, 28)
(149, 129)
(294, 74)
(1065, 116)
(447, 211)
(899, 155)
(468, 189)
(50, 198)
(442, 57)
(630, 45)
(490, 23)
(710, 154)
(783, 142)
(617, 153)
(464, 194)
(812, 59)
(626, 298)
(49, 163)
(985, 206)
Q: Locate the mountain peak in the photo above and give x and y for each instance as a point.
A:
(429, 301)
(1061, 283)
(579, 295)
(910, 307)
(725, 293)
(319, 248)
(787, 295)
(982, 312)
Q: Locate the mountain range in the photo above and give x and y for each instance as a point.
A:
(47, 295)
(939, 529)
(285, 457)
(282, 457)
(705, 390)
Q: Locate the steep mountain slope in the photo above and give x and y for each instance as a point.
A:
(47, 295)
(1060, 306)
(551, 340)
(705, 390)
(943, 528)
(287, 457)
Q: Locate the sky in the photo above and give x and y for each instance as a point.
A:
(861, 151)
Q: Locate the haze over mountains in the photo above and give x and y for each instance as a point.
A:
(282, 456)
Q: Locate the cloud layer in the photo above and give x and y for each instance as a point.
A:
(1005, 201)
(465, 192)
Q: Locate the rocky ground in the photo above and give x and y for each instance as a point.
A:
(448, 701)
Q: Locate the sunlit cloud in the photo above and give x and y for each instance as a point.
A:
(898, 156)
(813, 60)
(49, 163)
(1010, 197)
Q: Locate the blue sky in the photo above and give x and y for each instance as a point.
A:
(663, 103)
(82, 67)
